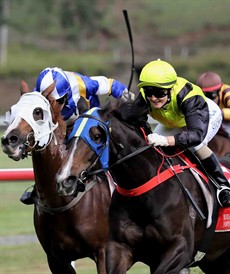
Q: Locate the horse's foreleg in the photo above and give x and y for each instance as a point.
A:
(175, 258)
(100, 261)
(118, 258)
(59, 267)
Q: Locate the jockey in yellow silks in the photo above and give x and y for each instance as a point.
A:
(186, 117)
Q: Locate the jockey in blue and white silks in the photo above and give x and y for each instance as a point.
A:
(73, 85)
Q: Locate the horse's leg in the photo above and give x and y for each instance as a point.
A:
(176, 257)
(59, 267)
(221, 265)
(118, 258)
(216, 268)
(184, 271)
(100, 261)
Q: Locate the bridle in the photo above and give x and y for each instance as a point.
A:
(42, 130)
(33, 147)
(90, 171)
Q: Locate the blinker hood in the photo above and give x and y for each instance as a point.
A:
(82, 128)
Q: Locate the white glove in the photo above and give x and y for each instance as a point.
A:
(157, 140)
(127, 96)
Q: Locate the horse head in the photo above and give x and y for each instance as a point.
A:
(97, 141)
(88, 147)
(31, 122)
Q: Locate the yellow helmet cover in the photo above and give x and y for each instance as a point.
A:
(157, 73)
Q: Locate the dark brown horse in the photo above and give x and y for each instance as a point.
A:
(220, 145)
(161, 223)
(68, 228)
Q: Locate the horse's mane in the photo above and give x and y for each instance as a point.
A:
(133, 113)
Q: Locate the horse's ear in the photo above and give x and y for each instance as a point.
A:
(110, 107)
(82, 105)
(57, 109)
(47, 92)
(24, 88)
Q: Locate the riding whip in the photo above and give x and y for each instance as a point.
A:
(131, 44)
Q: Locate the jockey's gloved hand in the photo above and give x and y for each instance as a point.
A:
(127, 96)
(157, 140)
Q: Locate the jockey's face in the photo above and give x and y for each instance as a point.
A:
(157, 96)
(158, 102)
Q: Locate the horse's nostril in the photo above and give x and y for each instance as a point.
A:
(13, 139)
(68, 182)
(4, 141)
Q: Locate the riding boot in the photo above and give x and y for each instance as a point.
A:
(27, 197)
(212, 166)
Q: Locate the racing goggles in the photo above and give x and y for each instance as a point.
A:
(156, 92)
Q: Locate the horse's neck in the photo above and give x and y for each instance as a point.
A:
(46, 164)
(129, 138)
(139, 167)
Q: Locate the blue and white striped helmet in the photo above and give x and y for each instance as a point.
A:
(48, 76)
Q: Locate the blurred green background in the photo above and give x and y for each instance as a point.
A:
(90, 36)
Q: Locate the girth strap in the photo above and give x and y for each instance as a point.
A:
(155, 181)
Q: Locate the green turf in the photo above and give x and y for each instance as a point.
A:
(30, 259)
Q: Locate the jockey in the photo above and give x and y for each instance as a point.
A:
(213, 88)
(71, 85)
(186, 117)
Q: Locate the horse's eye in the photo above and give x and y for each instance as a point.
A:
(96, 137)
(38, 114)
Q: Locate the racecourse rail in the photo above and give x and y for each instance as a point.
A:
(16, 174)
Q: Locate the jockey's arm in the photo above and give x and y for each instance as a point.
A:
(108, 86)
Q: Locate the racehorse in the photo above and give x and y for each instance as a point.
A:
(68, 228)
(159, 212)
(220, 145)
